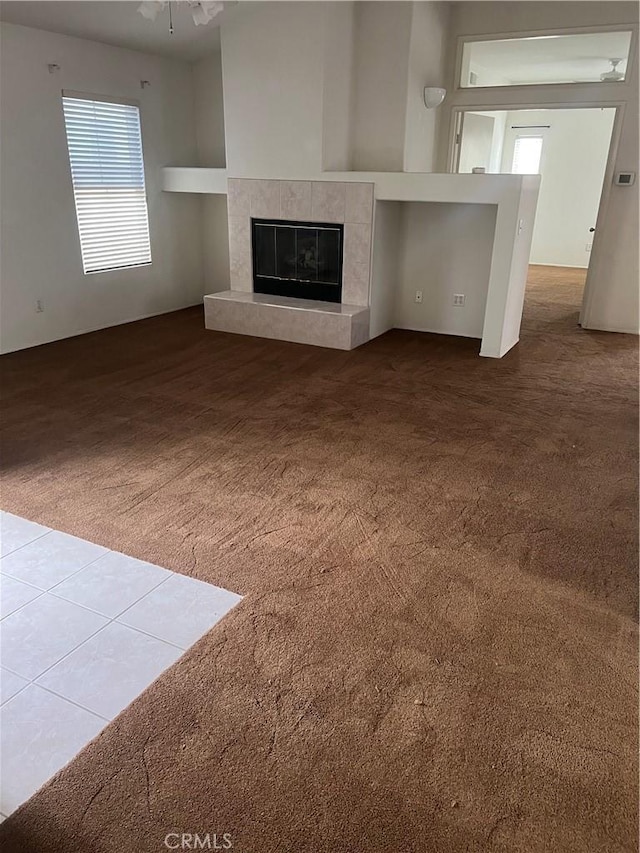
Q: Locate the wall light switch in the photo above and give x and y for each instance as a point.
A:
(458, 300)
(418, 296)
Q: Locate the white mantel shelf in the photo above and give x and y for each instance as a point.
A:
(178, 179)
(515, 197)
(389, 186)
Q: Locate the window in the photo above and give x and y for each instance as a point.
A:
(526, 155)
(105, 152)
(542, 59)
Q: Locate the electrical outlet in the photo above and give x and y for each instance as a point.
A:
(588, 247)
(39, 306)
(418, 296)
(458, 300)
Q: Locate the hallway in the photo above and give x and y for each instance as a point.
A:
(553, 299)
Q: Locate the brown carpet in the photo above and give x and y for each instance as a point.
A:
(437, 649)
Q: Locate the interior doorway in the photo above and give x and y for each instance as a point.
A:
(569, 148)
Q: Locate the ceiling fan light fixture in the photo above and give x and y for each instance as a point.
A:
(149, 8)
(613, 74)
(204, 11)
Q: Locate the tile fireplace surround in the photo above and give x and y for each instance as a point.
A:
(240, 310)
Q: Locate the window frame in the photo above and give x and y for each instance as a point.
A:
(461, 40)
(118, 101)
(520, 136)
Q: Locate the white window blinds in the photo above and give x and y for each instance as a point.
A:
(105, 152)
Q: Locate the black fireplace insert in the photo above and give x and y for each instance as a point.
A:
(302, 259)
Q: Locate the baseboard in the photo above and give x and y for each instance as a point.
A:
(617, 330)
(561, 266)
(438, 332)
(101, 328)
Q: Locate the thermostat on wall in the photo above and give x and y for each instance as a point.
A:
(625, 179)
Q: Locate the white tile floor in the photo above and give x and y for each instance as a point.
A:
(84, 631)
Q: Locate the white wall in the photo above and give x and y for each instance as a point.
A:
(209, 111)
(429, 30)
(40, 250)
(210, 135)
(386, 267)
(520, 253)
(446, 249)
(611, 300)
(272, 65)
(439, 249)
(382, 45)
(214, 229)
(478, 133)
(611, 295)
(337, 100)
(399, 49)
(574, 157)
(331, 85)
(493, 163)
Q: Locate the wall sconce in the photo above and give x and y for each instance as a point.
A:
(433, 96)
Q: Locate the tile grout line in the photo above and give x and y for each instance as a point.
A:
(20, 547)
(34, 681)
(72, 575)
(91, 610)
(19, 690)
(44, 591)
(109, 621)
(41, 592)
(115, 619)
(50, 690)
(153, 636)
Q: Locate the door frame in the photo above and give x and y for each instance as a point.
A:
(453, 159)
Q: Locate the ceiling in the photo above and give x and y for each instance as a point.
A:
(550, 59)
(118, 22)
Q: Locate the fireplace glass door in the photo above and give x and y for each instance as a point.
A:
(297, 259)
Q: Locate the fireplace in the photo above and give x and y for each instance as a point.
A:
(301, 259)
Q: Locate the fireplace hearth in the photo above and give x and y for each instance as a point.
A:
(299, 259)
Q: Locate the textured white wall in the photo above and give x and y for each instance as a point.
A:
(574, 157)
(386, 274)
(382, 42)
(40, 250)
(337, 100)
(331, 85)
(209, 116)
(494, 166)
(272, 64)
(429, 32)
(209, 111)
(445, 249)
(478, 134)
